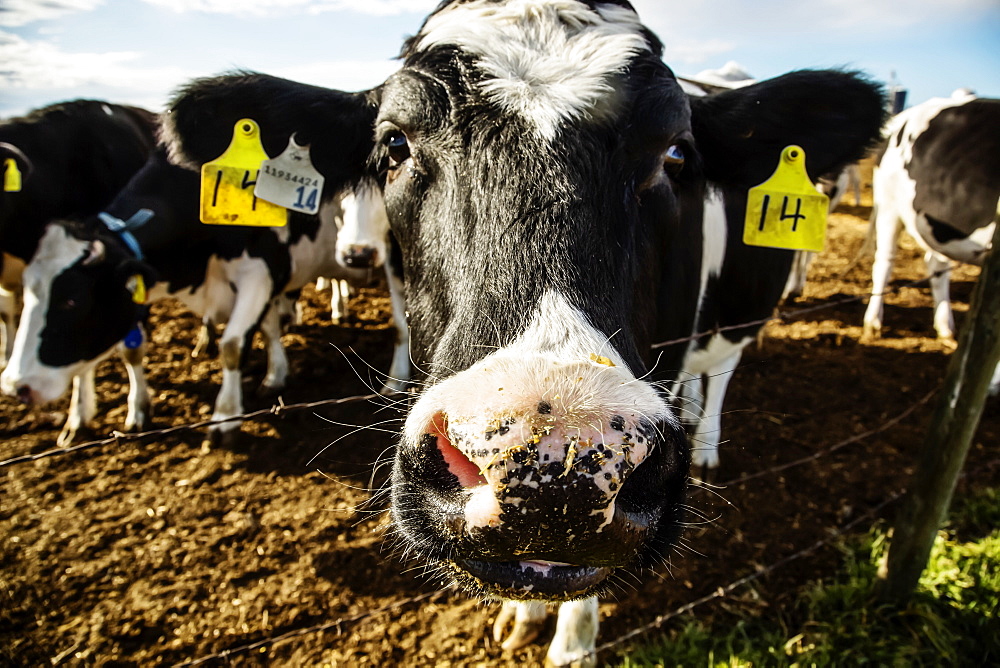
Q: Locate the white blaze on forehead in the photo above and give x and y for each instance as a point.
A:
(559, 355)
(548, 61)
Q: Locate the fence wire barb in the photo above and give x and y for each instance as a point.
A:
(756, 575)
(117, 437)
(319, 628)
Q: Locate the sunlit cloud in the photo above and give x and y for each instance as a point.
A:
(14, 13)
(291, 7)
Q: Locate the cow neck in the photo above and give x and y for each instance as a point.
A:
(123, 228)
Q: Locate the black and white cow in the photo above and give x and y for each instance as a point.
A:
(72, 158)
(79, 287)
(939, 178)
(557, 199)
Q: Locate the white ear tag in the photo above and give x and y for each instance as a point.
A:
(290, 180)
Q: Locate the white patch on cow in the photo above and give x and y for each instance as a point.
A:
(549, 61)
(56, 251)
(576, 634)
(365, 225)
(560, 359)
(714, 235)
(710, 367)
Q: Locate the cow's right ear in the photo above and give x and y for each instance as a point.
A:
(338, 126)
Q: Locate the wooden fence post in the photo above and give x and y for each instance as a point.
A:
(948, 439)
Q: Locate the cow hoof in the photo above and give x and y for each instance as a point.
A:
(66, 436)
(586, 662)
(949, 342)
(522, 632)
(393, 387)
(871, 334)
(218, 438)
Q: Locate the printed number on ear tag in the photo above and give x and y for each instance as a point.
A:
(290, 180)
(787, 211)
(11, 176)
(227, 196)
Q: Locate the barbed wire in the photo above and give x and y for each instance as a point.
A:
(119, 437)
(761, 572)
(785, 316)
(278, 410)
(819, 454)
(319, 628)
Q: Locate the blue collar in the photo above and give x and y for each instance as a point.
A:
(123, 228)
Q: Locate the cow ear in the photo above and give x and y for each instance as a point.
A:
(835, 116)
(132, 267)
(338, 126)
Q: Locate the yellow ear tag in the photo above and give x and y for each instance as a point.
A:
(11, 176)
(787, 211)
(227, 196)
(137, 286)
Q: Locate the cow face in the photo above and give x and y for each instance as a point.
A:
(522, 144)
(362, 240)
(544, 176)
(76, 283)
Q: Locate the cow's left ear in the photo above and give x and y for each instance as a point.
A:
(337, 126)
(834, 116)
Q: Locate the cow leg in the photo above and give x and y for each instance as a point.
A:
(526, 618)
(886, 238)
(339, 300)
(139, 404)
(705, 441)
(322, 283)
(576, 635)
(940, 270)
(399, 371)
(995, 382)
(252, 298)
(796, 283)
(8, 316)
(82, 406)
(205, 344)
(277, 360)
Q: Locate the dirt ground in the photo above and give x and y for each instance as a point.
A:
(166, 552)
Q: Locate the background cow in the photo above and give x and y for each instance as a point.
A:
(81, 284)
(72, 159)
(939, 178)
(554, 193)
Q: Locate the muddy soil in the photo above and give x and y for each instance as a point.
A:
(166, 551)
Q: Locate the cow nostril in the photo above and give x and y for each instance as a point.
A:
(360, 258)
(458, 463)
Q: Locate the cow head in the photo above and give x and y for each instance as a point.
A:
(544, 176)
(78, 303)
(363, 237)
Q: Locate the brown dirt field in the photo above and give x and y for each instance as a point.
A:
(166, 551)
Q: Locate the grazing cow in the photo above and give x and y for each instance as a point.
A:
(80, 286)
(67, 159)
(939, 178)
(556, 198)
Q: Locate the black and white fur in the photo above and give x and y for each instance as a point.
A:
(939, 179)
(558, 201)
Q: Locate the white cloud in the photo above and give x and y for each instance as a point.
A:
(15, 13)
(349, 75)
(692, 52)
(41, 65)
(285, 7)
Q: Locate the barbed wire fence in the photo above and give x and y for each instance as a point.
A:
(280, 409)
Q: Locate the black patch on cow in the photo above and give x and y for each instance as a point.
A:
(956, 166)
(80, 157)
(942, 231)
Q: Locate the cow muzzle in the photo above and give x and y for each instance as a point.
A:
(538, 494)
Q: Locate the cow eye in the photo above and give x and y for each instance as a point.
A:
(673, 160)
(398, 147)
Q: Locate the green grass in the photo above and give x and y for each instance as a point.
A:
(953, 619)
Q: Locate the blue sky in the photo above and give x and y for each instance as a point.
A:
(138, 51)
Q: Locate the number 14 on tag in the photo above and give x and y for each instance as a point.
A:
(787, 211)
